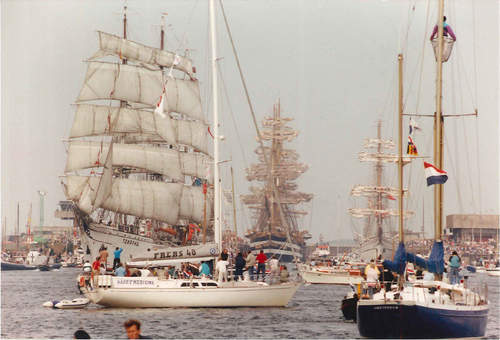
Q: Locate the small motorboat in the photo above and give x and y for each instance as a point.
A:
(68, 304)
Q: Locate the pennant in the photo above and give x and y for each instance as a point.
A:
(434, 175)
(389, 196)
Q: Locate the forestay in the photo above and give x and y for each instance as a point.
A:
(168, 162)
(165, 202)
(110, 44)
(101, 120)
(140, 85)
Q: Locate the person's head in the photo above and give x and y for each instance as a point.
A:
(454, 253)
(120, 264)
(261, 251)
(81, 334)
(133, 328)
(97, 258)
(117, 248)
(444, 18)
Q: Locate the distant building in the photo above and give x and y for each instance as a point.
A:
(65, 211)
(472, 227)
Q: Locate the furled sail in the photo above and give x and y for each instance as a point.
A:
(168, 162)
(140, 85)
(101, 120)
(165, 202)
(110, 44)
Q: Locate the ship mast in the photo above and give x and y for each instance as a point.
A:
(438, 129)
(400, 149)
(215, 109)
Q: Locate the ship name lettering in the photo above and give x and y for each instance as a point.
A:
(132, 242)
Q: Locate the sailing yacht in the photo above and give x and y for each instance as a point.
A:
(423, 308)
(153, 291)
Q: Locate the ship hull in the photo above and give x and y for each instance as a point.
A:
(285, 252)
(153, 293)
(16, 266)
(407, 319)
(135, 247)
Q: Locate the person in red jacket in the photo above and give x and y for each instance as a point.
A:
(261, 264)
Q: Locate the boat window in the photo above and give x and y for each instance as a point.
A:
(209, 284)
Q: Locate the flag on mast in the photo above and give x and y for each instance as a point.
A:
(434, 175)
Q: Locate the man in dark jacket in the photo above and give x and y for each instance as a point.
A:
(239, 264)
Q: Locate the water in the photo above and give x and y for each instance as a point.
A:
(314, 312)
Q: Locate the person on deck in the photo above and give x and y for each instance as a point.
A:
(274, 264)
(120, 270)
(446, 30)
(103, 254)
(204, 270)
(221, 267)
(454, 267)
(261, 264)
(372, 273)
(238, 267)
(96, 264)
(116, 260)
(250, 263)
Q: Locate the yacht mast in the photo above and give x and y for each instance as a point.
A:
(438, 129)
(215, 108)
(400, 149)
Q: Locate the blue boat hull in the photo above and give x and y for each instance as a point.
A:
(393, 320)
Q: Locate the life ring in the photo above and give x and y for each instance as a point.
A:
(82, 281)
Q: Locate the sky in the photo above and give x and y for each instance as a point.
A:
(332, 65)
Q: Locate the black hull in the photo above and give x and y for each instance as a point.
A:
(393, 320)
(16, 266)
(349, 307)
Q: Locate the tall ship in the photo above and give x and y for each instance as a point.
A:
(138, 160)
(274, 203)
(377, 237)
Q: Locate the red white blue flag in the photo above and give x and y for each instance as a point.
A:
(434, 175)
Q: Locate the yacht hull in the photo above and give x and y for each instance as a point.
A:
(334, 278)
(407, 319)
(227, 295)
(16, 266)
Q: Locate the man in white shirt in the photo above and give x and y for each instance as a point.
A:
(221, 267)
(275, 268)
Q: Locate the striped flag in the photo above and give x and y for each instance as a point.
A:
(434, 175)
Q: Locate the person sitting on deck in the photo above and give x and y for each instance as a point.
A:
(446, 30)
(120, 270)
(204, 269)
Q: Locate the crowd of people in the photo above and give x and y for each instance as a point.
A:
(244, 266)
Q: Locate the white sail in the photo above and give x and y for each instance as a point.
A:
(101, 120)
(140, 85)
(168, 162)
(106, 182)
(110, 44)
(165, 202)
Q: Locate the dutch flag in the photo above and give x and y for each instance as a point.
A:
(434, 175)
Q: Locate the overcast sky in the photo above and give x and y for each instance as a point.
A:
(332, 64)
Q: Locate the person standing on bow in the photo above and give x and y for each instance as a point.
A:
(261, 264)
(446, 30)
(250, 263)
(454, 267)
(116, 260)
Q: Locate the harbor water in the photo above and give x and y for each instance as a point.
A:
(314, 312)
